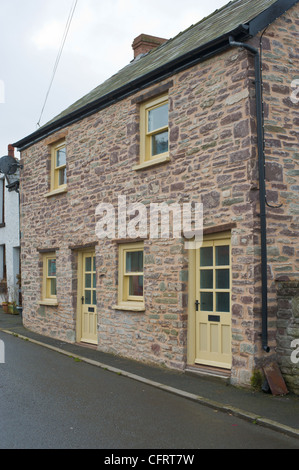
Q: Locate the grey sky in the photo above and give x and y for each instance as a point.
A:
(98, 45)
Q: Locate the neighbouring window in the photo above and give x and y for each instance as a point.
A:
(131, 274)
(49, 277)
(2, 189)
(58, 166)
(154, 135)
(2, 262)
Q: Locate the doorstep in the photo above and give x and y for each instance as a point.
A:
(216, 372)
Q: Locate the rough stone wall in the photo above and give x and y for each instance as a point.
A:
(280, 67)
(213, 160)
(288, 332)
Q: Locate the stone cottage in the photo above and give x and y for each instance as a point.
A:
(208, 117)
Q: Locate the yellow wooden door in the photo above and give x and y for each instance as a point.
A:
(89, 300)
(213, 304)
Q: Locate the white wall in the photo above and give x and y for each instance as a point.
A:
(10, 236)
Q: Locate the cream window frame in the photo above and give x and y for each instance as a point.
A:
(146, 157)
(47, 297)
(125, 300)
(55, 187)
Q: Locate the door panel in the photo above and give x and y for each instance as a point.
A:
(88, 300)
(213, 293)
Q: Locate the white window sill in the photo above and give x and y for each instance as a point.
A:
(49, 302)
(61, 190)
(130, 307)
(153, 162)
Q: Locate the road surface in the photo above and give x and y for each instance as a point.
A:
(51, 401)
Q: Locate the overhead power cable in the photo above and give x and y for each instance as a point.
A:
(67, 27)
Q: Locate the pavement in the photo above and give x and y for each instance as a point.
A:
(279, 413)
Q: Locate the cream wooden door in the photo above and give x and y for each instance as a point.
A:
(213, 304)
(88, 300)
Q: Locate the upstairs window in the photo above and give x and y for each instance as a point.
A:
(154, 132)
(58, 166)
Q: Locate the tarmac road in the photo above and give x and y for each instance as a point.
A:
(51, 401)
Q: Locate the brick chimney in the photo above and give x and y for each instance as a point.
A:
(145, 43)
(11, 151)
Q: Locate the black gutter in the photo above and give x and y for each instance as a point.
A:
(262, 186)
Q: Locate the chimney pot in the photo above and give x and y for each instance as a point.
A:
(145, 43)
(11, 151)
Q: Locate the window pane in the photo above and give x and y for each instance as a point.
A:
(206, 279)
(88, 281)
(53, 286)
(206, 301)
(222, 278)
(51, 267)
(134, 262)
(94, 281)
(160, 143)
(136, 285)
(87, 264)
(222, 302)
(94, 297)
(61, 157)
(206, 256)
(2, 261)
(62, 176)
(222, 255)
(88, 297)
(158, 118)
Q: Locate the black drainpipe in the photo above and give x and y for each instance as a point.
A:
(262, 187)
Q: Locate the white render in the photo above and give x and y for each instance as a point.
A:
(10, 237)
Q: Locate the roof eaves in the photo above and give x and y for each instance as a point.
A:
(269, 15)
(242, 33)
(185, 61)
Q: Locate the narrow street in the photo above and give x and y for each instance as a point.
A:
(51, 401)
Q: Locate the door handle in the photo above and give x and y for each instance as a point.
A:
(82, 299)
(196, 305)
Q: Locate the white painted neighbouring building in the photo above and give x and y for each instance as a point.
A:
(9, 240)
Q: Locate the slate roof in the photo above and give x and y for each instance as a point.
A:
(241, 18)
